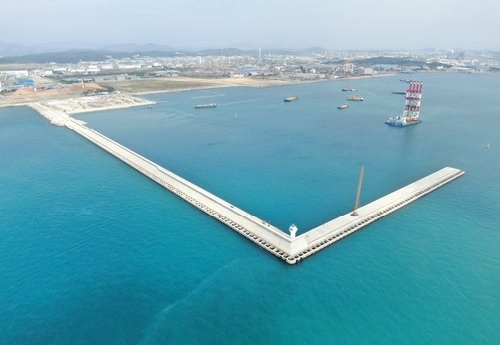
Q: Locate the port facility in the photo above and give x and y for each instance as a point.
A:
(286, 246)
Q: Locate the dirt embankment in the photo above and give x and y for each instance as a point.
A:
(137, 86)
(56, 91)
(168, 84)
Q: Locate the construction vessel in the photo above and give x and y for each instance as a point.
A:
(411, 113)
(347, 88)
(354, 98)
(207, 105)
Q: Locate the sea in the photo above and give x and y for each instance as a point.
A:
(93, 252)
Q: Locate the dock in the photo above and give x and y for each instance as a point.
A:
(288, 247)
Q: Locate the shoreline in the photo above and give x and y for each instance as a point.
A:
(257, 84)
(59, 112)
(78, 103)
(89, 104)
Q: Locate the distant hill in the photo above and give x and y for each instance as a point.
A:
(11, 49)
(12, 53)
(384, 60)
(69, 56)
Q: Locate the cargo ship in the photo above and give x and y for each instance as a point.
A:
(343, 106)
(354, 98)
(291, 98)
(411, 112)
(207, 105)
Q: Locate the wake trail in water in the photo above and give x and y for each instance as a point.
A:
(253, 100)
(160, 318)
(210, 96)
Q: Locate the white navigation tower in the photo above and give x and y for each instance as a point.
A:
(293, 231)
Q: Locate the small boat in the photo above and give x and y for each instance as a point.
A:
(291, 98)
(347, 88)
(343, 106)
(354, 98)
(207, 105)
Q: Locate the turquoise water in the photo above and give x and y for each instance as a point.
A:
(92, 252)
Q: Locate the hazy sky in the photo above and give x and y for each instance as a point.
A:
(332, 24)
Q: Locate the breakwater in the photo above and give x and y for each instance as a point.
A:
(326, 234)
(257, 230)
(287, 247)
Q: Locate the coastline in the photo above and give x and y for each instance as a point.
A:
(246, 82)
(59, 112)
(95, 103)
(77, 102)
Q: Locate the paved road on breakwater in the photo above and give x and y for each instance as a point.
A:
(288, 248)
(257, 230)
(322, 236)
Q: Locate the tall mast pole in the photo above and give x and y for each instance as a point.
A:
(360, 183)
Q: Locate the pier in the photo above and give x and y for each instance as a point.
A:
(288, 247)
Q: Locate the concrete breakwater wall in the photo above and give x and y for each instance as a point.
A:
(257, 230)
(326, 234)
(289, 248)
(55, 117)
